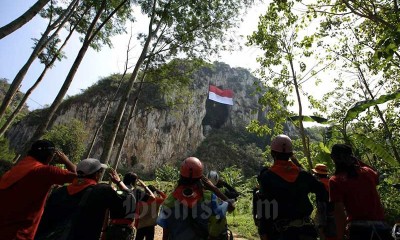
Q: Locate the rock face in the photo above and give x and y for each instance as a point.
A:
(158, 135)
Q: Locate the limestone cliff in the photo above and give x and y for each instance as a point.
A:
(160, 133)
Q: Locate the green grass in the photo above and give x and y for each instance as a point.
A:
(243, 225)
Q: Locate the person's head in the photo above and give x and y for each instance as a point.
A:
(90, 168)
(130, 179)
(281, 147)
(320, 170)
(42, 150)
(342, 156)
(214, 177)
(191, 170)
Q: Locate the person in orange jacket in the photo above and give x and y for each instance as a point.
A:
(24, 189)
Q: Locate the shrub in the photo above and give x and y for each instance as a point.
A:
(167, 173)
(70, 138)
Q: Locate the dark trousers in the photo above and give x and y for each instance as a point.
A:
(146, 232)
(369, 233)
(294, 233)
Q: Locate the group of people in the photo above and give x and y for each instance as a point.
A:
(347, 204)
(88, 210)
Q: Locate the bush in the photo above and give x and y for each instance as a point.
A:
(69, 138)
(167, 173)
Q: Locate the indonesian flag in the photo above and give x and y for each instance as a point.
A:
(221, 96)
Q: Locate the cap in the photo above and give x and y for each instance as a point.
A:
(43, 145)
(320, 169)
(282, 144)
(341, 149)
(89, 166)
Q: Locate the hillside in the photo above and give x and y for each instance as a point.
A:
(172, 119)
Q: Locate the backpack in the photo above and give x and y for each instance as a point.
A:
(64, 230)
(121, 228)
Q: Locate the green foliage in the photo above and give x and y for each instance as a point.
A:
(5, 152)
(167, 173)
(361, 106)
(69, 138)
(233, 176)
(390, 195)
(4, 85)
(227, 147)
(195, 28)
(377, 149)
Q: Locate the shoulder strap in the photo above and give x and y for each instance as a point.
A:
(69, 229)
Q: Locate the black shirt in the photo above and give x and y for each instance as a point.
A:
(88, 224)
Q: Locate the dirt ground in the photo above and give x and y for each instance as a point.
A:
(158, 234)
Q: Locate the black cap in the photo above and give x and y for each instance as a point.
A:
(341, 149)
(42, 145)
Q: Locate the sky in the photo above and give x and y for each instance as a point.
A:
(16, 48)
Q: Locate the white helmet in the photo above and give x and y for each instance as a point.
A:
(213, 176)
(282, 144)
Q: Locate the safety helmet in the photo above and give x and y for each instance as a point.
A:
(213, 176)
(191, 167)
(282, 144)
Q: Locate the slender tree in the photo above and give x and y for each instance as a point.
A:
(24, 18)
(176, 26)
(45, 39)
(283, 66)
(90, 36)
(48, 60)
(110, 101)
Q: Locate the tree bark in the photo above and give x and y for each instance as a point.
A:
(301, 127)
(90, 148)
(107, 149)
(130, 117)
(23, 19)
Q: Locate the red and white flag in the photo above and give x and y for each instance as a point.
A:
(221, 96)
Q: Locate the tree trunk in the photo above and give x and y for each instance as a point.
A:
(44, 40)
(90, 148)
(68, 80)
(11, 118)
(121, 146)
(24, 18)
(130, 117)
(385, 125)
(105, 156)
(306, 148)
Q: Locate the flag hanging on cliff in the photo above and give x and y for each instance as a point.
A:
(221, 96)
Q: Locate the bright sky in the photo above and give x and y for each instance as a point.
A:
(16, 48)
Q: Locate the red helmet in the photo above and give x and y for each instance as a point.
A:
(191, 167)
(282, 144)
